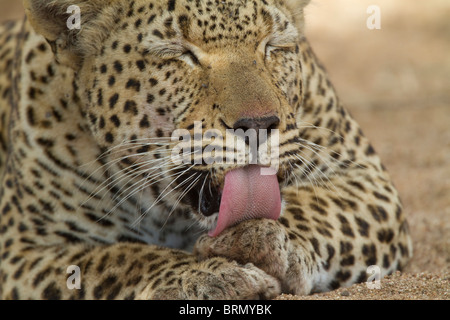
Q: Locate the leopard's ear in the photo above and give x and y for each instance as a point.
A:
(296, 10)
(57, 21)
(296, 3)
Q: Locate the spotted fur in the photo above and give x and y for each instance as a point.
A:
(86, 118)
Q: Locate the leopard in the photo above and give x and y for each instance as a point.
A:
(100, 199)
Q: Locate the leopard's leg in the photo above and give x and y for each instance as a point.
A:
(128, 271)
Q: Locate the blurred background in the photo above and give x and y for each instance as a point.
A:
(396, 83)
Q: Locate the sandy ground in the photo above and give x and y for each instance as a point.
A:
(395, 81)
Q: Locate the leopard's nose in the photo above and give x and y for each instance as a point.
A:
(257, 124)
(268, 123)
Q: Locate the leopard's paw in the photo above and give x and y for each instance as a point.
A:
(262, 242)
(217, 279)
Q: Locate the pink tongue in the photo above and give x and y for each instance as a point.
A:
(248, 195)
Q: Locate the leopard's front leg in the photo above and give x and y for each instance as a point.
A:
(129, 271)
(266, 244)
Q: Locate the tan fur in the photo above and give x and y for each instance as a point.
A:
(87, 177)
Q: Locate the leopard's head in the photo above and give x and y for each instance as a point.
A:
(156, 76)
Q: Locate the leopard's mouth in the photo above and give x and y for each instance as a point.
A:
(205, 196)
(245, 193)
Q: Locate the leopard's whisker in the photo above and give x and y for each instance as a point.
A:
(143, 186)
(200, 195)
(306, 169)
(161, 196)
(292, 175)
(140, 171)
(122, 172)
(134, 171)
(125, 145)
(196, 222)
(181, 196)
(165, 161)
(322, 173)
(312, 126)
(108, 165)
(331, 152)
(315, 179)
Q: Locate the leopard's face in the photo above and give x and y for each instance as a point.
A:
(171, 67)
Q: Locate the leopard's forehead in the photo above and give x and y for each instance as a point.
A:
(205, 23)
